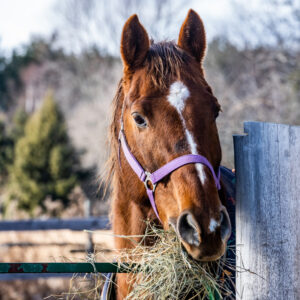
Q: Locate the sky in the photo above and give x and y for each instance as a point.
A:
(20, 19)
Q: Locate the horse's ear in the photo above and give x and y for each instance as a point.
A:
(192, 36)
(134, 43)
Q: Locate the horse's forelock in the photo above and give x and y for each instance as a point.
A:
(164, 61)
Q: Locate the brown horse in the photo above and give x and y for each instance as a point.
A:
(168, 110)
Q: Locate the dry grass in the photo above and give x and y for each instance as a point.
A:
(165, 271)
(86, 287)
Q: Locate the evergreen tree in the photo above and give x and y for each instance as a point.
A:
(19, 122)
(45, 161)
(6, 153)
(8, 141)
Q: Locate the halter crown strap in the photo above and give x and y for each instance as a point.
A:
(168, 168)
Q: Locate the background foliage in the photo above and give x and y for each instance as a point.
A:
(45, 162)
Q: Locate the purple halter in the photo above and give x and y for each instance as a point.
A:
(151, 179)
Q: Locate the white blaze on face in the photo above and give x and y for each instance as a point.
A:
(213, 225)
(177, 97)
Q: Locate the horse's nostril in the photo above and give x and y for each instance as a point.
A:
(225, 225)
(188, 229)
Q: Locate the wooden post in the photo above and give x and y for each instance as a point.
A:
(267, 161)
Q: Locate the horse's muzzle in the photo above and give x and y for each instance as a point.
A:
(205, 244)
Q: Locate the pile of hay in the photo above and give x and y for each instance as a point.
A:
(165, 271)
(161, 271)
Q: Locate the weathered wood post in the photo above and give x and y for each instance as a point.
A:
(267, 161)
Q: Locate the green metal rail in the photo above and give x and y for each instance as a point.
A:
(63, 268)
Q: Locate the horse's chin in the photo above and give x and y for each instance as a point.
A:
(197, 253)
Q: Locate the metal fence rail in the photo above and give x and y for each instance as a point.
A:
(7, 268)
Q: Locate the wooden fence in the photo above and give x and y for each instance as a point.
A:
(91, 223)
(267, 160)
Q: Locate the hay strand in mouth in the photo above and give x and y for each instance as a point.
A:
(165, 271)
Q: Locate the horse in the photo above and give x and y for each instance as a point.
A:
(165, 152)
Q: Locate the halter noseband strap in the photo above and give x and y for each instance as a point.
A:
(151, 179)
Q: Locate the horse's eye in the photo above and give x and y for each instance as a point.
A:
(139, 120)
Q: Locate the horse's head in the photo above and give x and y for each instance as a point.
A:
(170, 111)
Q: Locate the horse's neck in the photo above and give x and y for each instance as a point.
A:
(129, 211)
(128, 218)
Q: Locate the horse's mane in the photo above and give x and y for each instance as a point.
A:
(164, 61)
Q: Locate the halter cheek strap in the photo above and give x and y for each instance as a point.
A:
(151, 179)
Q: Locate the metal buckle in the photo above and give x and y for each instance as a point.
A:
(147, 180)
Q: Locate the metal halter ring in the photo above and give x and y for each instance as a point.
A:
(147, 181)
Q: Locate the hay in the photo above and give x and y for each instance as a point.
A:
(82, 286)
(87, 287)
(165, 271)
(161, 271)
